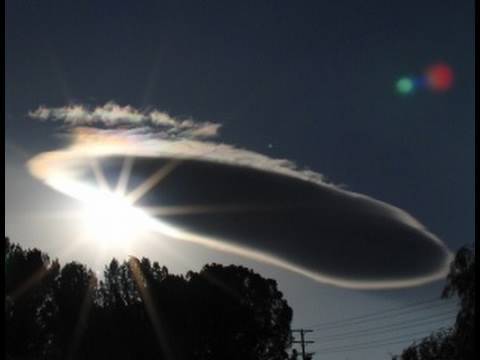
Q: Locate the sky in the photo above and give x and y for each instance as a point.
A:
(311, 82)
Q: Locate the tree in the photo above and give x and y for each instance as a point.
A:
(141, 311)
(459, 341)
(461, 282)
(29, 276)
(73, 296)
(251, 319)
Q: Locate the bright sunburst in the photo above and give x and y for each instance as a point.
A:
(108, 217)
(112, 222)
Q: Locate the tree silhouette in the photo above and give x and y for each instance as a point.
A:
(73, 297)
(461, 282)
(459, 341)
(140, 311)
(249, 313)
(29, 279)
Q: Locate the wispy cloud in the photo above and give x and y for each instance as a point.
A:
(113, 115)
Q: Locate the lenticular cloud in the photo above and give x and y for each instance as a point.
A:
(246, 203)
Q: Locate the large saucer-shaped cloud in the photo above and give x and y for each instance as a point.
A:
(265, 210)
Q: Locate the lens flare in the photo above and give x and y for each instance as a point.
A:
(405, 86)
(437, 78)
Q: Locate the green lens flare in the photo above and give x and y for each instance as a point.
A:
(404, 85)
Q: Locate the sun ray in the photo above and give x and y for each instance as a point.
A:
(197, 209)
(152, 312)
(37, 276)
(99, 175)
(84, 309)
(152, 181)
(124, 176)
(212, 209)
(27, 284)
(81, 324)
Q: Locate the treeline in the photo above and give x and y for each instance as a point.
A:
(138, 310)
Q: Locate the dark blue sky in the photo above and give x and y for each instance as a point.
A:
(314, 79)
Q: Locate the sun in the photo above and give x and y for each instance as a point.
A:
(111, 221)
(108, 216)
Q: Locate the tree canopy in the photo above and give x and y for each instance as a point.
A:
(138, 310)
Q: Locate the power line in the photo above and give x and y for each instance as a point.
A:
(397, 325)
(381, 332)
(365, 347)
(404, 312)
(381, 314)
(369, 344)
(374, 335)
(378, 315)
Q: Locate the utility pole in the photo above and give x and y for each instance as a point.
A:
(302, 341)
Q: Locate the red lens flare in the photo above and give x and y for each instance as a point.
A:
(439, 77)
